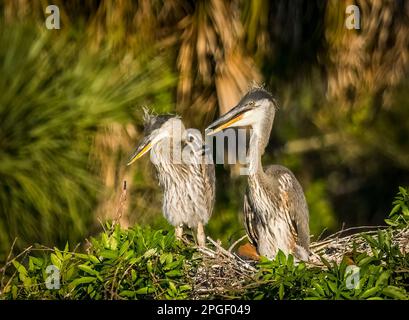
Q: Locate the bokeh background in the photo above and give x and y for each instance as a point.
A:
(71, 100)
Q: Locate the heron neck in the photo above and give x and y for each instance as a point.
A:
(260, 135)
(255, 154)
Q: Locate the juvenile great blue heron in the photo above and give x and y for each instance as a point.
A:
(275, 210)
(188, 182)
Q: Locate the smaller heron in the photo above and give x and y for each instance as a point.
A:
(188, 181)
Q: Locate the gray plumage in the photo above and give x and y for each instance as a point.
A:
(188, 182)
(275, 210)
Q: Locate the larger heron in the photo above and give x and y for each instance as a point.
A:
(187, 180)
(275, 210)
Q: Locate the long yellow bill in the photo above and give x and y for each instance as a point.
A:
(225, 125)
(144, 150)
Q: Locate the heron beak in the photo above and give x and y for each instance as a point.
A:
(225, 125)
(227, 120)
(143, 148)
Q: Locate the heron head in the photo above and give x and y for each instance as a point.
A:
(256, 105)
(157, 128)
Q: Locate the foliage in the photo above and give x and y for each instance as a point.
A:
(54, 99)
(382, 275)
(399, 215)
(120, 264)
(69, 105)
(141, 263)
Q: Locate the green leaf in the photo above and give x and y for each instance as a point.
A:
(14, 291)
(326, 263)
(163, 257)
(149, 253)
(124, 247)
(135, 260)
(394, 210)
(171, 265)
(369, 293)
(395, 293)
(290, 261)
(319, 289)
(127, 293)
(172, 286)
(82, 280)
(370, 240)
(365, 261)
(174, 273)
(149, 266)
(108, 254)
(55, 260)
(332, 286)
(58, 253)
(81, 256)
(145, 290)
(129, 254)
(88, 269)
(381, 238)
(20, 268)
(166, 258)
(391, 222)
(93, 259)
(185, 287)
(281, 258)
(383, 278)
(133, 275)
(281, 291)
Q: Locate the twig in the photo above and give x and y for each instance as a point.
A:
(3, 269)
(121, 206)
(220, 248)
(236, 242)
(332, 236)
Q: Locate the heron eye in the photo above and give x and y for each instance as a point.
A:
(190, 137)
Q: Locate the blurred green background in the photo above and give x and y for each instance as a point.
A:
(71, 99)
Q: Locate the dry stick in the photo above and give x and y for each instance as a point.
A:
(220, 248)
(230, 255)
(341, 245)
(122, 201)
(3, 269)
(236, 242)
(25, 252)
(18, 256)
(319, 237)
(336, 239)
(353, 228)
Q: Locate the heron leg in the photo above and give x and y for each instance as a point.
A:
(179, 232)
(201, 237)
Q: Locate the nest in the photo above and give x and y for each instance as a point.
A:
(336, 246)
(222, 270)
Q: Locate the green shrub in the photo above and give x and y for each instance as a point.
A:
(399, 215)
(120, 264)
(382, 275)
(55, 96)
(141, 263)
